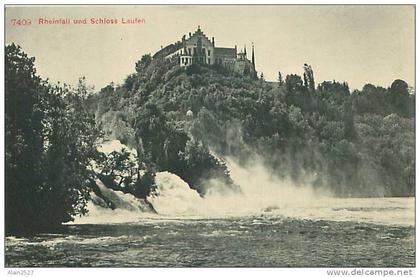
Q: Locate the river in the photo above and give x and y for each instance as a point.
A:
(358, 232)
(271, 222)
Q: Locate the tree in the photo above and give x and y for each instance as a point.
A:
(50, 143)
(24, 138)
(308, 77)
(297, 131)
(399, 97)
(150, 134)
(143, 63)
(293, 82)
(349, 129)
(335, 93)
(399, 87)
(72, 135)
(280, 79)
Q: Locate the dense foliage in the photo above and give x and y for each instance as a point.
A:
(50, 143)
(357, 143)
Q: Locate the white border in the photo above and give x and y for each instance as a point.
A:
(193, 272)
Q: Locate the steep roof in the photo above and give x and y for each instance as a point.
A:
(225, 51)
(168, 49)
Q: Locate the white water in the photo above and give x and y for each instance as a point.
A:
(174, 197)
(114, 145)
(128, 208)
(261, 195)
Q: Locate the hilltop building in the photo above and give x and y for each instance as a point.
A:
(199, 49)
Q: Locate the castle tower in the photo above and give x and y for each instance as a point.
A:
(199, 45)
(200, 56)
(245, 50)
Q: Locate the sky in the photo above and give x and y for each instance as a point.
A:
(354, 43)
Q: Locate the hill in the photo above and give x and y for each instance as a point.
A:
(185, 121)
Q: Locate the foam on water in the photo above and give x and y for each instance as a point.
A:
(114, 145)
(261, 194)
(100, 215)
(174, 197)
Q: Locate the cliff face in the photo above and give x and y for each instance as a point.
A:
(325, 136)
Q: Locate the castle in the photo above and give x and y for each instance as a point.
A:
(198, 49)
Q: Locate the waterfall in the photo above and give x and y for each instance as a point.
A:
(261, 194)
(173, 196)
(114, 207)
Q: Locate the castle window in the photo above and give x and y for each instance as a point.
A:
(208, 52)
(189, 51)
(208, 61)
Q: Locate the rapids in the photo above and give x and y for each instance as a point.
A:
(261, 194)
(270, 222)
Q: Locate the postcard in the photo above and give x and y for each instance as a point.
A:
(210, 136)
